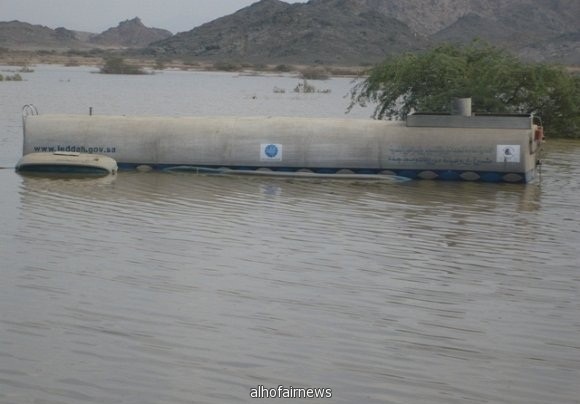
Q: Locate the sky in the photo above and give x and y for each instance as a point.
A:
(99, 15)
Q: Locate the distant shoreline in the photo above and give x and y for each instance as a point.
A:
(30, 58)
(70, 58)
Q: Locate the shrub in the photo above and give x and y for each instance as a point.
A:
(226, 66)
(283, 68)
(496, 81)
(314, 73)
(14, 77)
(117, 65)
(160, 64)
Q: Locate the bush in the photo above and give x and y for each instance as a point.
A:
(226, 66)
(76, 52)
(496, 81)
(95, 52)
(44, 52)
(14, 77)
(160, 64)
(283, 68)
(117, 65)
(314, 73)
(190, 62)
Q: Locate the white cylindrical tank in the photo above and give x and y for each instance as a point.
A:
(289, 143)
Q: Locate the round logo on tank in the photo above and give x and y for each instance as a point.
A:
(271, 150)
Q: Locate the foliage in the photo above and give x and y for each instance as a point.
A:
(259, 66)
(283, 68)
(496, 81)
(117, 65)
(188, 61)
(226, 66)
(345, 70)
(94, 52)
(160, 64)
(14, 77)
(45, 52)
(314, 73)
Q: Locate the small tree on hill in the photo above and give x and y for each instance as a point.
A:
(496, 81)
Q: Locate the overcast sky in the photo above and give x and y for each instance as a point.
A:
(99, 15)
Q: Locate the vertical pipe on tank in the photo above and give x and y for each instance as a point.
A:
(461, 106)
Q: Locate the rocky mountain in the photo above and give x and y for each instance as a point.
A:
(315, 32)
(366, 31)
(340, 32)
(427, 17)
(130, 34)
(21, 35)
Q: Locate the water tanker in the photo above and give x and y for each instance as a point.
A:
(463, 146)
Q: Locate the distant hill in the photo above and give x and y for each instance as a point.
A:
(339, 32)
(130, 34)
(21, 35)
(429, 17)
(366, 31)
(316, 32)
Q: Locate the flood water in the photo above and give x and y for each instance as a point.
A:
(178, 288)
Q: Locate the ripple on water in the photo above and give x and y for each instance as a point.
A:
(180, 288)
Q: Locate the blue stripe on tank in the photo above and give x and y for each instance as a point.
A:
(445, 175)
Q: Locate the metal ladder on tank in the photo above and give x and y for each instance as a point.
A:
(27, 110)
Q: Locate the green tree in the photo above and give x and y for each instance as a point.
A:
(117, 65)
(496, 81)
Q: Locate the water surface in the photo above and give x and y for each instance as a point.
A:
(178, 288)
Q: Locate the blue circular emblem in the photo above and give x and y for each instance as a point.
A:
(271, 150)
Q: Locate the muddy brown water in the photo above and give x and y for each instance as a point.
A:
(180, 288)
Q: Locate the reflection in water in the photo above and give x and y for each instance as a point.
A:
(166, 186)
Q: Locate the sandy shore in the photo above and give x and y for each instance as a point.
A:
(31, 58)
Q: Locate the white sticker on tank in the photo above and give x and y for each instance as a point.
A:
(270, 152)
(508, 153)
